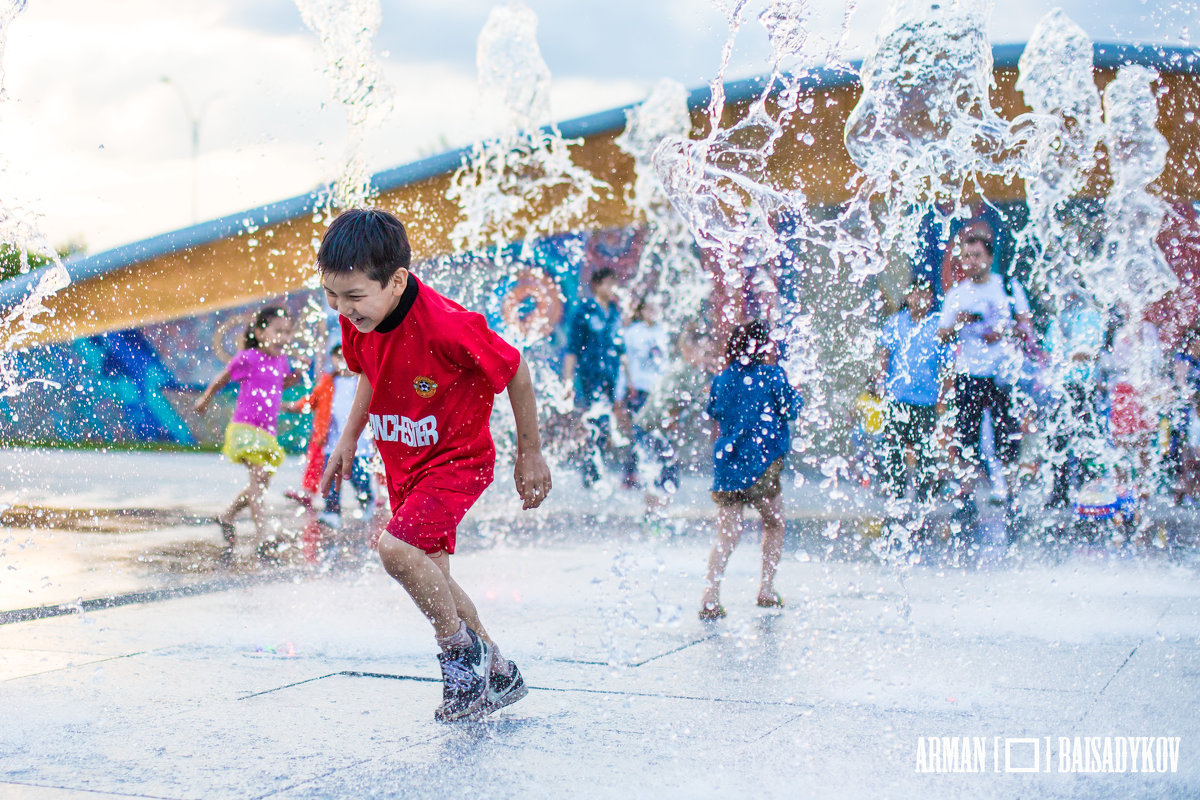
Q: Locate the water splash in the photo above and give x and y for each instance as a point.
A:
(521, 184)
(8, 12)
(1057, 83)
(924, 132)
(1133, 265)
(790, 30)
(668, 262)
(517, 187)
(21, 321)
(19, 230)
(722, 185)
(346, 30)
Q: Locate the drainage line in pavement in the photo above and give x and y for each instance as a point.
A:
(132, 598)
(623, 693)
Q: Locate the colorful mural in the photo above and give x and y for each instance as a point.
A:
(136, 387)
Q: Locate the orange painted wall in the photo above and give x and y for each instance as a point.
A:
(278, 259)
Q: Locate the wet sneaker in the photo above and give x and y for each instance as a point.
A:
(465, 682)
(504, 690)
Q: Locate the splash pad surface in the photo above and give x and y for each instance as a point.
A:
(277, 681)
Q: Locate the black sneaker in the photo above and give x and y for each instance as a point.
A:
(504, 690)
(465, 683)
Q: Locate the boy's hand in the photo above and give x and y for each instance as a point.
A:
(532, 477)
(341, 464)
(201, 406)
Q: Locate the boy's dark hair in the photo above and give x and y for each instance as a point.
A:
(975, 237)
(260, 322)
(919, 285)
(601, 275)
(749, 344)
(365, 239)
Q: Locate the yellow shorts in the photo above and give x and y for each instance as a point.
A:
(246, 444)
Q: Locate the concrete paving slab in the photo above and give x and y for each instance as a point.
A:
(308, 683)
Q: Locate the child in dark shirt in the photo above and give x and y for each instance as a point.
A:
(752, 403)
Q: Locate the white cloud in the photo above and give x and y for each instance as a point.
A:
(92, 138)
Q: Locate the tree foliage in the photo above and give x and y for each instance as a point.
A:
(11, 264)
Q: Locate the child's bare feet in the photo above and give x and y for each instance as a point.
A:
(656, 502)
(710, 606)
(769, 599)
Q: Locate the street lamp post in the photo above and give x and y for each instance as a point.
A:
(194, 120)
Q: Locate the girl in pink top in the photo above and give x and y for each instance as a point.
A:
(262, 372)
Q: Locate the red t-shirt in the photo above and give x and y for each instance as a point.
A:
(433, 378)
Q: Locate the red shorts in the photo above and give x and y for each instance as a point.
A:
(428, 518)
(1128, 416)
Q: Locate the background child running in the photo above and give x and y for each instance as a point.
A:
(319, 403)
(261, 371)
(752, 403)
(429, 371)
(330, 404)
(345, 385)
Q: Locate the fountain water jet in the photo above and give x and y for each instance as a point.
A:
(667, 262)
(924, 132)
(346, 30)
(522, 183)
(19, 230)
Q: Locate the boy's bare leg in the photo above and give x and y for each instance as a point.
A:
(771, 511)
(424, 581)
(462, 603)
(729, 533)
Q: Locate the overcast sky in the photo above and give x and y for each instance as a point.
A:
(97, 146)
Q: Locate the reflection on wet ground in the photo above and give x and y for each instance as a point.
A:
(97, 520)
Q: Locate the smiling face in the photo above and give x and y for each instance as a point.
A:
(276, 335)
(361, 299)
(650, 312)
(976, 261)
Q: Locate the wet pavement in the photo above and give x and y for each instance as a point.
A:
(131, 665)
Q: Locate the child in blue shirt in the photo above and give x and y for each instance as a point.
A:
(752, 403)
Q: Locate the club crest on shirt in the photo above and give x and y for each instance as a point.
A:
(426, 387)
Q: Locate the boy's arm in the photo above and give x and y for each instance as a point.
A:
(341, 458)
(568, 369)
(302, 405)
(628, 372)
(574, 344)
(218, 383)
(948, 322)
(294, 377)
(530, 472)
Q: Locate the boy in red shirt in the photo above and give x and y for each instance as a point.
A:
(428, 373)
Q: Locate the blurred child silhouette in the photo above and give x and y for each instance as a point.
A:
(261, 371)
